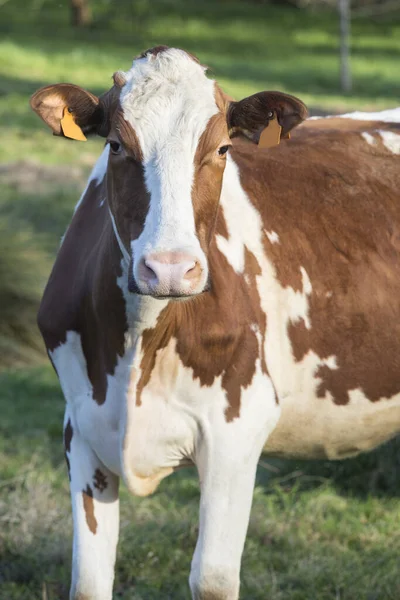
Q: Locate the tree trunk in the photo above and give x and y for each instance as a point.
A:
(81, 15)
(345, 74)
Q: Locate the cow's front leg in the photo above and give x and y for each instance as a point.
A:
(226, 460)
(95, 510)
(226, 497)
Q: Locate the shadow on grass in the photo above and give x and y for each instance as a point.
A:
(375, 474)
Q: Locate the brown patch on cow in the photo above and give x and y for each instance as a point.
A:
(128, 203)
(100, 480)
(209, 169)
(333, 201)
(88, 505)
(68, 465)
(68, 432)
(85, 278)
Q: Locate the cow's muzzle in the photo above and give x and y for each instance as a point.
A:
(168, 275)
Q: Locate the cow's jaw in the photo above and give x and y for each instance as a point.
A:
(168, 101)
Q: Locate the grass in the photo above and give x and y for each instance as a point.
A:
(318, 530)
(248, 48)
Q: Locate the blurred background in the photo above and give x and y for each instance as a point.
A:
(318, 530)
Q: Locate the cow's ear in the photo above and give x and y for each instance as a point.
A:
(250, 116)
(68, 109)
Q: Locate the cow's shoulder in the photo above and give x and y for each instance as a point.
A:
(70, 284)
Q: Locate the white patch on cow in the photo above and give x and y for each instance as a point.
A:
(369, 138)
(97, 174)
(95, 423)
(391, 141)
(242, 221)
(245, 230)
(386, 116)
(330, 362)
(298, 301)
(168, 100)
(68, 358)
(272, 236)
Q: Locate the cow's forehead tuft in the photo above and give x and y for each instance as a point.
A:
(163, 65)
(167, 97)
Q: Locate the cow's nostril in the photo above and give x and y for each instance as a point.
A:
(193, 272)
(148, 271)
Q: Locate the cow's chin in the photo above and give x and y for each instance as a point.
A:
(175, 295)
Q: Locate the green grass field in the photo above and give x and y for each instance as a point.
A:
(318, 531)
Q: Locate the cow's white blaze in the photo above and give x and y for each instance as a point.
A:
(168, 100)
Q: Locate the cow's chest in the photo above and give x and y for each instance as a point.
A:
(150, 422)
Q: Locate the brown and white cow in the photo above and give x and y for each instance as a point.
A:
(210, 300)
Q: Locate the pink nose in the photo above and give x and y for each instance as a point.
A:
(170, 274)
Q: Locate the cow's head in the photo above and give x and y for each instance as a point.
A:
(169, 130)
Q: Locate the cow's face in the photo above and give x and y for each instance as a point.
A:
(168, 145)
(168, 127)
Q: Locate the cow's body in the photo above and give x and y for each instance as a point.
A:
(296, 346)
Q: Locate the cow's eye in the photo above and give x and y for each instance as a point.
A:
(115, 147)
(223, 150)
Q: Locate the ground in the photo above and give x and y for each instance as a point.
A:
(318, 531)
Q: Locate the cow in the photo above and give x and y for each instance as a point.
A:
(214, 296)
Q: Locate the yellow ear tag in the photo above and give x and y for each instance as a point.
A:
(70, 128)
(271, 135)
